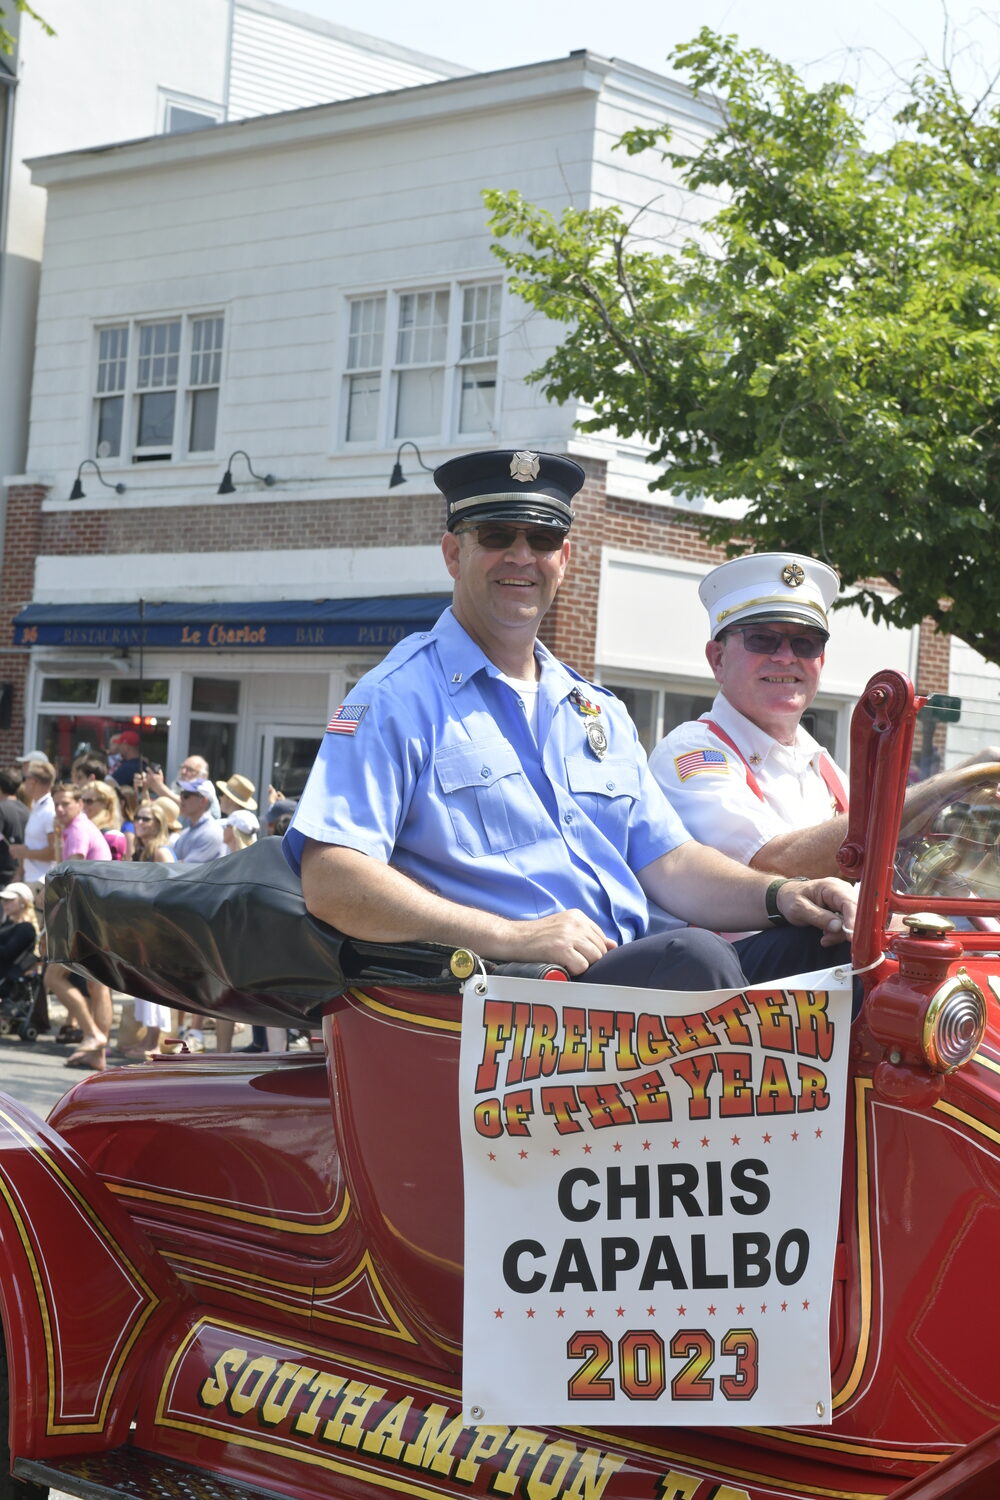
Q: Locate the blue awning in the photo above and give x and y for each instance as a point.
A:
(306, 623)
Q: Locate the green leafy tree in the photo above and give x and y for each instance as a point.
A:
(6, 40)
(827, 350)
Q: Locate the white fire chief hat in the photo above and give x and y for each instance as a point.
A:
(769, 586)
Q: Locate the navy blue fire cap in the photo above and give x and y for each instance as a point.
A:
(530, 489)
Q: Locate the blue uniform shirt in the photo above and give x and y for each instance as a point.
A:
(432, 767)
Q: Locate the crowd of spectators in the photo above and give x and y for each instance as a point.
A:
(115, 806)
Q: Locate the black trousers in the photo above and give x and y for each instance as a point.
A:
(689, 958)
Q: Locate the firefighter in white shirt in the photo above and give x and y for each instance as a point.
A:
(746, 778)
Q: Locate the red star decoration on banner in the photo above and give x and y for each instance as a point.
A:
(493, 1156)
(650, 1312)
(704, 1140)
(523, 1155)
(560, 1312)
(646, 1145)
(766, 1137)
(682, 1312)
(818, 1133)
(676, 1144)
(739, 1309)
(805, 1305)
(763, 1307)
(498, 1312)
(619, 1312)
(555, 1151)
(587, 1150)
(784, 1307)
(530, 1312)
(711, 1310)
(795, 1135)
(590, 1312)
(734, 1140)
(618, 1145)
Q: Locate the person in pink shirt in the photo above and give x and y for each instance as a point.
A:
(78, 838)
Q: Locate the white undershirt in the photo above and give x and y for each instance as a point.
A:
(527, 690)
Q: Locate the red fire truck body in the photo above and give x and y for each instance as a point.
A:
(230, 1276)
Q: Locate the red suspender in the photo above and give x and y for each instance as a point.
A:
(723, 736)
(831, 780)
(834, 784)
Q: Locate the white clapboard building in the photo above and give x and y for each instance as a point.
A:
(245, 328)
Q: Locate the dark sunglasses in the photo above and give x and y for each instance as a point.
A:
(761, 642)
(494, 536)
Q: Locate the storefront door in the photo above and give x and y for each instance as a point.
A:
(286, 755)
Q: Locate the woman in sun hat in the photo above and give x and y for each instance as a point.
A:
(236, 795)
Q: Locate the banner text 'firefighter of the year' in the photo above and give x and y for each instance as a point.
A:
(652, 1190)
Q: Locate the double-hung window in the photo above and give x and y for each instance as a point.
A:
(422, 363)
(365, 340)
(478, 351)
(157, 389)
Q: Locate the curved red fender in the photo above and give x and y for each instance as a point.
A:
(83, 1294)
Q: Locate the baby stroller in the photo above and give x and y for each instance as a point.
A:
(23, 1002)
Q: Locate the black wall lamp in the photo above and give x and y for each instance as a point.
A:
(397, 476)
(227, 487)
(77, 492)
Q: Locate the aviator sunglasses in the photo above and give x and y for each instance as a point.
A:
(761, 642)
(495, 536)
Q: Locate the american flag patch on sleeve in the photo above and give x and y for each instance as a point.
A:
(347, 718)
(701, 763)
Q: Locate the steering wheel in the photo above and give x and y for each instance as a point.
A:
(950, 865)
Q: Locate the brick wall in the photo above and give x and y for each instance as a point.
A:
(224, 525)
(570, 628)
(933, 660)
(17, 578)
(401, 518)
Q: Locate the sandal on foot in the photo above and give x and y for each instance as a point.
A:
(68, 1033)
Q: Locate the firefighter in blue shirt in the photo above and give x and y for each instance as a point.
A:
(476, 791)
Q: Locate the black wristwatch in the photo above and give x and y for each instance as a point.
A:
(771, 899)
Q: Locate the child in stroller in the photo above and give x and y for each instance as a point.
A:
(23, 1007)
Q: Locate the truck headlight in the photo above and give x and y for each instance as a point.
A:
(954, 1023)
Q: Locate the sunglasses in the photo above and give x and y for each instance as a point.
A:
(761, 642)
(144, 818)
(494, 536)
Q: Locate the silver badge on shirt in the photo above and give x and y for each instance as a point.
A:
(597, 738)
(597, 735)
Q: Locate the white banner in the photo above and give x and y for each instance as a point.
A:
(652, 1188)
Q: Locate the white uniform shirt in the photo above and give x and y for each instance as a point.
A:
(41, 821)
(711, 793)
